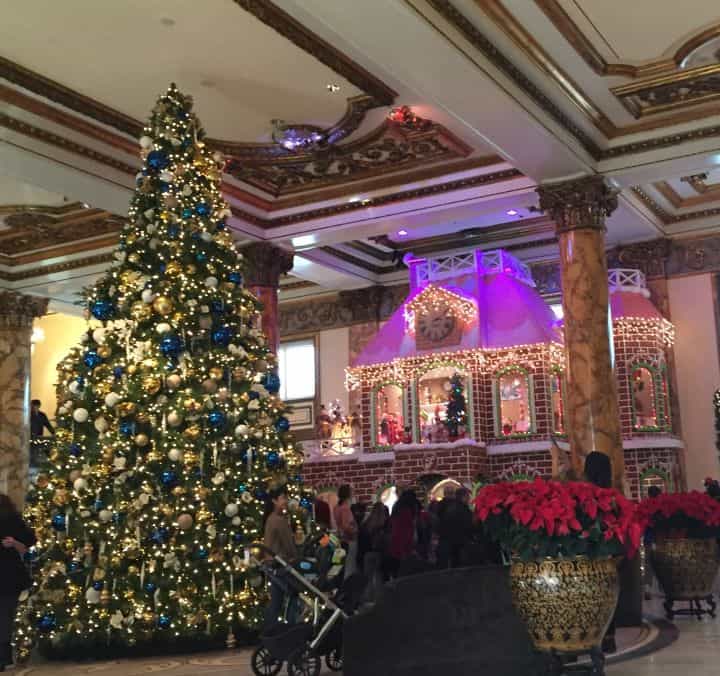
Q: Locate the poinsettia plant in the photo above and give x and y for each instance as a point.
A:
(693, 515)
(542, 518)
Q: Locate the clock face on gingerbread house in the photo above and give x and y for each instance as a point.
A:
(439, 317)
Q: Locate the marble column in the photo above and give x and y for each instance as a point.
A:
(264, 265)
(16, 317)
(579, 209)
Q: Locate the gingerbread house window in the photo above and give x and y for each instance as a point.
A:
(557, 402)
(644, 390)
(514, 414)
(389, 408)
(436, 391)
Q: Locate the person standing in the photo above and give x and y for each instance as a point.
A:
(403, 533)
(38, 421)
(16, 537)
(455, 525)
(279, 539)
(347, 528)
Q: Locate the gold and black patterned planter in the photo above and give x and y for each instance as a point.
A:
(567, 604)
(686, 569)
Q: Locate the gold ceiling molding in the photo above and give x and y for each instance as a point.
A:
(391, 147)
(637, 97)
(667, 218)
(705, 193)
(585, 48)
(54, 268)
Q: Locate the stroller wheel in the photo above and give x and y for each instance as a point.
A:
(304, 664)
(334, 660)
(264, 664)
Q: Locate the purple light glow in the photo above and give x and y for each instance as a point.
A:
(512, 212)
(402, 233)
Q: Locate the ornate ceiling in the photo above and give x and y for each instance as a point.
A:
(501, 95)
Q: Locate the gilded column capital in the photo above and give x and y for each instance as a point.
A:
(582, 203)
(266, 263)
(17, 310)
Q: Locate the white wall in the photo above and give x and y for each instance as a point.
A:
(698, 372)
(334, 355)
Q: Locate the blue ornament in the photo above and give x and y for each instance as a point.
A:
(260, 494)
(157, 160)
(99, 504)
(158, 535)
(271, 382)
(80, 380)
(235, 278)
(298, 478)
(168, 478)
(202, 553)
(187, 212)
(306, 502)
(253, 394)
(46, 623)
(173, 231)
(117, 517)
(101, 309)
(202, 209)
(92, 359)
(74, 567)
(98, 585)
(217, 307)
(150, 587)
(127, 428)
(164, 187)
(282, 424)
(162, 267)
(118, 372)
(75, 450)
(220, 225)
(171, 346)
(273, 459)
(200, 256)
(222, 336)
(58, 522)
(216, 419)
(163, 621)
(242, 488)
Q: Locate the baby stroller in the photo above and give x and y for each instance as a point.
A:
(303, 645)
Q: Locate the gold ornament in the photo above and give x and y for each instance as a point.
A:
(153, 456)
(151, 384)
(61, 497)
(203, 515)
(149, 364)
(216, 373)
(99, 574)
(162, 304)
(172, 268)
(105, 597)
(63, 434)
(191, 269)
(126, 408)
(103, 388)
(132, 369)
(192, 405)
(133, 570)
(202, 493)
(239, 374)
(192, 432)
(140, 311)
(104, 351)
(190, 458)
(141, 440)
(133, 258)
(142, 417)
(178, 490)
(177, 317)
(88, 549)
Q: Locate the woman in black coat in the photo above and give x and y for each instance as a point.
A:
(15, 536)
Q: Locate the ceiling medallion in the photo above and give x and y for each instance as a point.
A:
(298, 137)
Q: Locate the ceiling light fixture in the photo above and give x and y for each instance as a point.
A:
(297, 136)
(332, 88)
(512, 212)
(402, 233)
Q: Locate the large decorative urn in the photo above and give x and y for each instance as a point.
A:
(567, 603)
(686, 569)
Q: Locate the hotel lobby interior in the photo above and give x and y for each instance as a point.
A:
(467, 242)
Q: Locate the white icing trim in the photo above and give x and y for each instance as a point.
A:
(525, 447)
(445, 445)
(653, 442)
(314, 459)
(384, 456)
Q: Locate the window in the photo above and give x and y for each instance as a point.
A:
(389, 416)
(296, 368)
(644, 398)
(556, 398)
(435, 393)
(513, 396)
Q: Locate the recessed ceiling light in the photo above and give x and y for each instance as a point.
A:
(332, 88)
(512, 212)
(402, 233)
(167, 21)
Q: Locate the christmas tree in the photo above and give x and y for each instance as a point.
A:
(456, 413)
(169, 429)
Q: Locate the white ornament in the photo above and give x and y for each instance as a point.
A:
(232, 509)
(101, 425)
(146, 142)
(116, 620)
(104, 515)
(173, 381)
(218, 479)
(112, 399)
(246, 497)
(99, 336)
(253, 405)
(211, 282)
(258, 434)
(218, 157)
(163, 327)
(63, 411)
(80, 484)
(236, 521)
(151, 228)
(119, 461)
(175, 454)
(241, 430)
(167, 176)
(74, 387)
(147, 296)
(293, 504)
(206, 236)
(204, 309)
(149, 214)
(92, 596)
(187, 190)
(154, 243)
(174, 419)
(143, 499)
(205, 321)
(120, 256)
(80, 415)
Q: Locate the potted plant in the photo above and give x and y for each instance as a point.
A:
(684, 528)
(564, 541)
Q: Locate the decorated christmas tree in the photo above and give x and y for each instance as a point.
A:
(169, 429)
(456, 413)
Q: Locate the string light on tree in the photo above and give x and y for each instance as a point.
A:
(140, 543)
